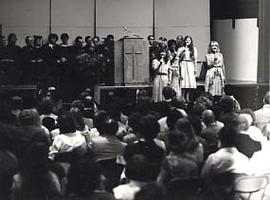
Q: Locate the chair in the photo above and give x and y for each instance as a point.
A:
(247, 185)
(184, 188)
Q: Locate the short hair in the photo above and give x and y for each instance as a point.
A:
(208, 117)
(64, 35)
(149, 127)
(249, 112)
(46, 106)
(138, 168)
(227, 136)
(52, 35)
(83, 177)
(133, 121)
(10, 36)
(173, 116)
(87, 37)
(99, 119)
(168, 92)
(66, 123)
(226, 104)
(266, 98)
(111, 127)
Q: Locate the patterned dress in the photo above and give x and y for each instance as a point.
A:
(187, 65)
(215, 75)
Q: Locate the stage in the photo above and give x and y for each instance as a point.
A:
(248, 93)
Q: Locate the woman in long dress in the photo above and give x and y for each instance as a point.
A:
(188, 60)
(174, 70)
(215, 75)
(160, 67)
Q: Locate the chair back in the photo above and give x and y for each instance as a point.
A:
(247, 185)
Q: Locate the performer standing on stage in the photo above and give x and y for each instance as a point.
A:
(215, 76)
(160, 67)
(174, 70)
(188, 60)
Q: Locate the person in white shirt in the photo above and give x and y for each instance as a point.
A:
(227, 158)
(263, 115)
(69, 139)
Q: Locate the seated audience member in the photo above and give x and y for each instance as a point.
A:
(148, 130)
(151, 191)
(16, 106)
(79, 123)
(9, 163)
(244, 143)
(229, 91)
(167, 123)
(132, 128)
(30, 118)
(138, 170)
(211, 130)
(182, 160)
(203, 102)
(226, 110)
(106, 146)
(262, 116)
(35, 180)
(195, 148)
(163, 107)
(227, 158)
(84, 182)
(69, 140)
(89, 110)
(46, 109)
(99, 119)
(254, 132)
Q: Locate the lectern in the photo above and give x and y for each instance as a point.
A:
(131, 61)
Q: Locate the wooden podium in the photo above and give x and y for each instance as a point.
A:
(131, 61)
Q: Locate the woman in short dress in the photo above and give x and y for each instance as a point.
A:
(160, 67)
(188, 60)
(215, 76)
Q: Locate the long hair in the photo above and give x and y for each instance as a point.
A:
(166, 58)
(213, 43)
(191, 46)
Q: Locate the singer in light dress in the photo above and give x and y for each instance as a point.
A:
(215, 76)
(161, 78)
(187, 66)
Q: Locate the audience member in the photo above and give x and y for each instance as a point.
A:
(262, 116)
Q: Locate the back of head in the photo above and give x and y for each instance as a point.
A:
(111, 127)
(29, 117)
(66, 123)
(178, 141)
(99, 120)
(46, 106)
(78, 118)
(168, 92)
(78, 104)
(138, 167)
(133, 121)
(173, 116)
(208, 117)
(226, 104)
(83, 178)
(149, 127)
(240, 122)
(227, 136)
(266, 99)
(249, 112)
